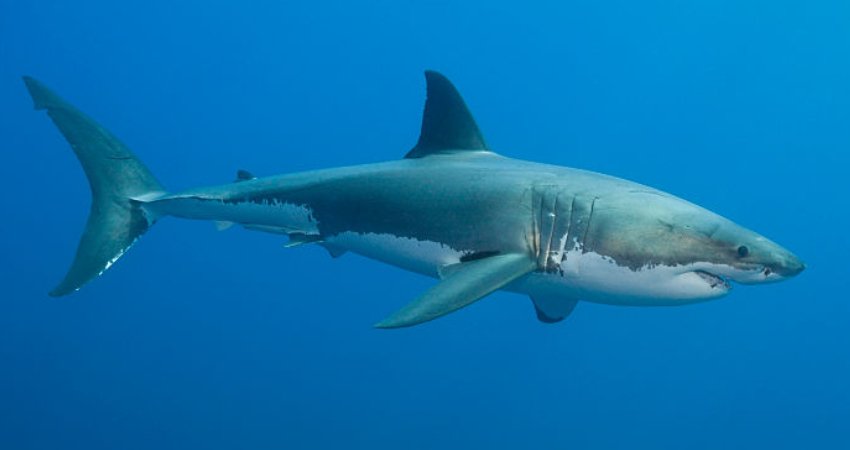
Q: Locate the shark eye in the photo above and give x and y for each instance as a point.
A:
(743, 251)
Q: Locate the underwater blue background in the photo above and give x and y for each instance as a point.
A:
(206, 339)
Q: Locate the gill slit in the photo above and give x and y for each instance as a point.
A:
(554, 222)
(570, 226)
(585, 248)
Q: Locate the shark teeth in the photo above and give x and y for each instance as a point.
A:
(715, 281)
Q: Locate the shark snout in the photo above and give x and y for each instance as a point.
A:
(789, 266)
(774, 264)
(782, 264)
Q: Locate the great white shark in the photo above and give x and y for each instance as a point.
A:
(451, 209)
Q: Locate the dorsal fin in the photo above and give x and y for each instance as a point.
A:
(447, 125)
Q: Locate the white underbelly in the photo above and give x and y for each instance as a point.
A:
(596, 278)
(425, 257)
(583, 276)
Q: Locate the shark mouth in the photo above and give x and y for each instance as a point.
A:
(714, 281)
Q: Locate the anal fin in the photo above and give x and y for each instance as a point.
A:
(334, 250)
(465, 284)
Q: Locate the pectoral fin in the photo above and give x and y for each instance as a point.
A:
(552, 309)
(467, 282)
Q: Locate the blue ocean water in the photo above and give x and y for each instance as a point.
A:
(206, 339)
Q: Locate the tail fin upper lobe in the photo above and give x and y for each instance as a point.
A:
(117, 180)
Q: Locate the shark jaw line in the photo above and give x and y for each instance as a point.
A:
(602, 279)
(714, 281)
(755, 274)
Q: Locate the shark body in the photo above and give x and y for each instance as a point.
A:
(451, 209)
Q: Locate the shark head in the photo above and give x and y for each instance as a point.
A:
(697, 249)
(747, 257)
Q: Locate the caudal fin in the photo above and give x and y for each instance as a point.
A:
(118, 180)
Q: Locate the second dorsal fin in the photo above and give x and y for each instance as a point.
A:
(244, 175)
(447, 125)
